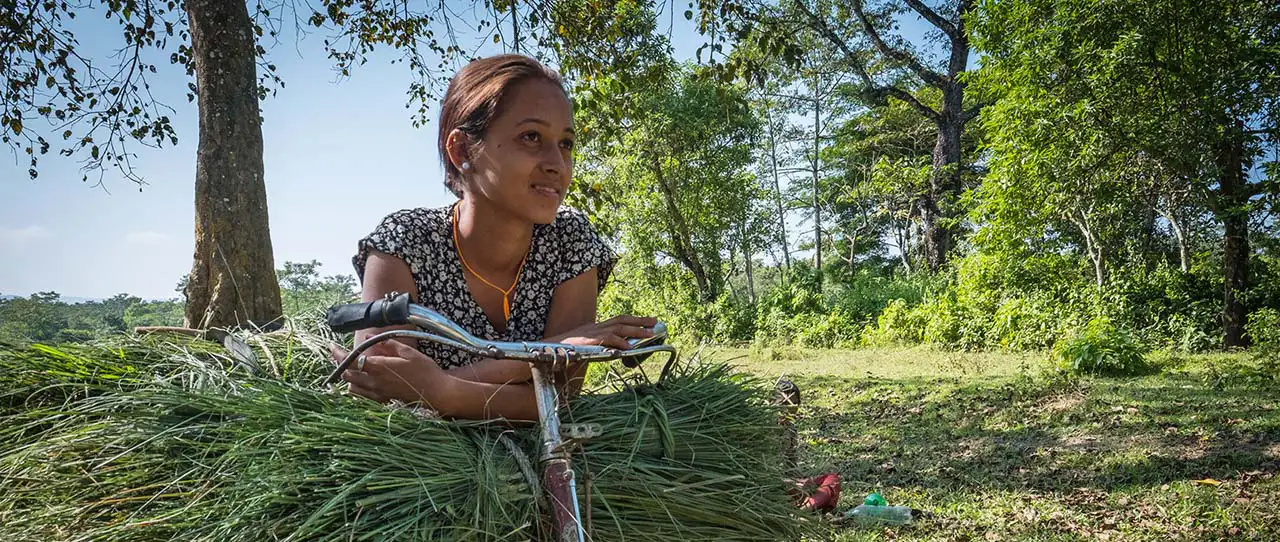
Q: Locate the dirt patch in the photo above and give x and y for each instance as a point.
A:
(1081, 442)
(1061, 403)
(1272, 451)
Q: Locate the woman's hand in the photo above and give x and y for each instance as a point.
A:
(392, 370)
(612, 333)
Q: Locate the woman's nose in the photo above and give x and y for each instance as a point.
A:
(554, 162)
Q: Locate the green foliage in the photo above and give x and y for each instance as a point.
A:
(795, 313)
(45, 317)
(897, 324)
(675, 183)
(1101, 349)
(154, 313)
(1264, 330)
(303, 289)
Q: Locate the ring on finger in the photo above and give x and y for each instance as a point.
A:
(360, 362)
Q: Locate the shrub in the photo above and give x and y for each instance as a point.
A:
(897, 324)
(1101, 349)
(1264, 329)
(826, 330)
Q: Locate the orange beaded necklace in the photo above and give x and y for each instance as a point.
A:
(506, 294)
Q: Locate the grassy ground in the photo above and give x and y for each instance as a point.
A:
(1000, 450)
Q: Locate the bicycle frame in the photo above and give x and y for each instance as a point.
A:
(545, 358)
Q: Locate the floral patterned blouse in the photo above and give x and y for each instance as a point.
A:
(423, 238)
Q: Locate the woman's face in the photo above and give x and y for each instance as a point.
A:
(525, 162)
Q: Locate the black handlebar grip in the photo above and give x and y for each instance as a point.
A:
(391, 311)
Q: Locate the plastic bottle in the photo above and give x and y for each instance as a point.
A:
(869, 513)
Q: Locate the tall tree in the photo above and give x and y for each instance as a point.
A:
(1191, 85)
(881, 64)
(100, 112)
(880, 160)
(676, 175)
(774, 125)
(232, 279)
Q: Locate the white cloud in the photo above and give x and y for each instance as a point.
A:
(18, 237)
(145, 238)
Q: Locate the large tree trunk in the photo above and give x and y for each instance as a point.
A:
(232, 280)
(1232, 209)
(937, 203)
(944, 181)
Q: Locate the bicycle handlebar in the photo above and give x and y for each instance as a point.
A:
(396, 309)
(389, 311)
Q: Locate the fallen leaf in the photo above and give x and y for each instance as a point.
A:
(1208, 482)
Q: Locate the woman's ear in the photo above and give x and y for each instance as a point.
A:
(458, 147)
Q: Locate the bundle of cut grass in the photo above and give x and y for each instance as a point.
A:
(153, 439)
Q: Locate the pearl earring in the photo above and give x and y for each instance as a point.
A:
(466, 166)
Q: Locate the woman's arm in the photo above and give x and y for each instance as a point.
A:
(573, 305)
(572, 320)
(383, 274)
(406, 374)
(394, 370)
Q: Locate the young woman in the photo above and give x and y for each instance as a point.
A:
(506, 261)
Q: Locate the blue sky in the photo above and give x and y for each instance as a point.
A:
(338, 155)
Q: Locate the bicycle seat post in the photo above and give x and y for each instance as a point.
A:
(557, 474)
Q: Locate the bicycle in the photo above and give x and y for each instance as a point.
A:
(546, 359)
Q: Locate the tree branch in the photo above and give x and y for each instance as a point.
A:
(929, 76)
(932, 16)
(870, 89)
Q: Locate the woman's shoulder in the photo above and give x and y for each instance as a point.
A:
(417, 216)
(571, 222)
(409, 234)
(416, 224)
(580, 246)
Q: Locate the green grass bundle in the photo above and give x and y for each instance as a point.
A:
(163, 439)
(696, 457)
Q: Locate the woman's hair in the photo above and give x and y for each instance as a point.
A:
(475, 97)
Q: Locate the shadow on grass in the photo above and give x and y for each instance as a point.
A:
(1039, 434)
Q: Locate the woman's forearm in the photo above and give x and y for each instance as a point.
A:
(494, 371)
(455, 397)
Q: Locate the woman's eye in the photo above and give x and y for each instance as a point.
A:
(532, 137)
(567, 144)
